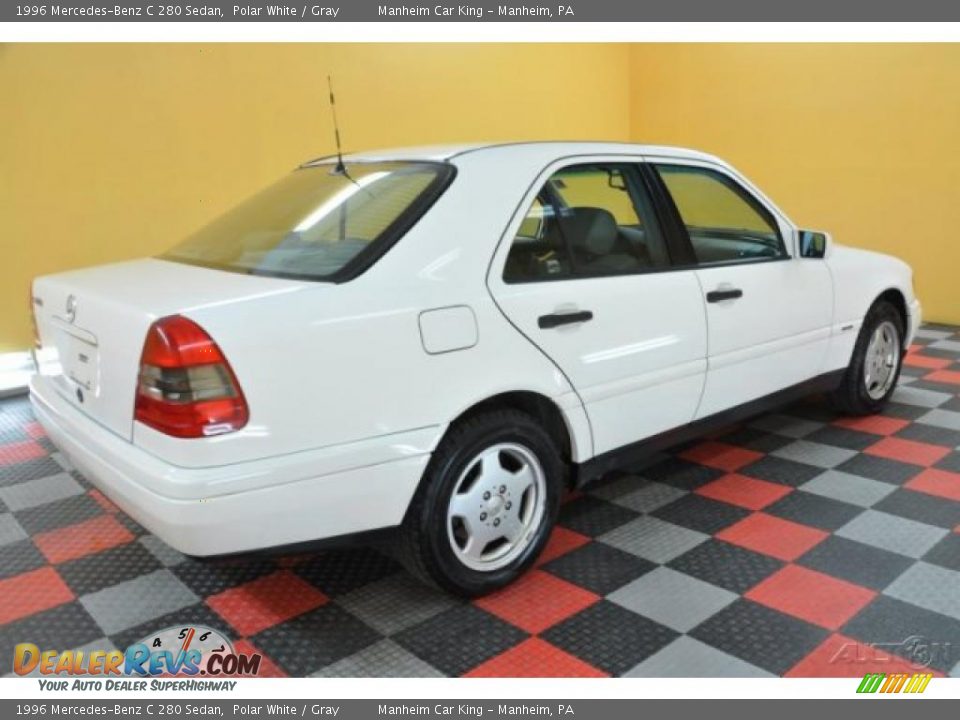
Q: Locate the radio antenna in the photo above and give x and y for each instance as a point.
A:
(340, 169)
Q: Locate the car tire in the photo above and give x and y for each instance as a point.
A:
(476, 486)
(874, 368)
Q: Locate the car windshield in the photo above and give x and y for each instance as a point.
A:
(317, 223)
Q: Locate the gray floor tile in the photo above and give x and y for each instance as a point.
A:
(136, 601)
(941, 418)
(951, 345)
(838, 485)
(686, 657)
(62, 461)
(892, 533)
(655, 540)
(650, 497)
(40, 491)
(817, 454)
(382, 659)
(395, 603)
(929, 586)
(673, 599)
(935, 335)
(167, 556)
(920, 397)
(10, 530)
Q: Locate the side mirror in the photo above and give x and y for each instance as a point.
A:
(813, 243)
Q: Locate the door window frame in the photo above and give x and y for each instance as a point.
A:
(639, 180)
(756, 199)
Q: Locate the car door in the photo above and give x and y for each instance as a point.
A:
(585, 273)
(768, 310)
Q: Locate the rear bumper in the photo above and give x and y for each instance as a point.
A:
(199, 511)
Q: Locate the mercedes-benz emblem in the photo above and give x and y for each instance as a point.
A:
(71, 308)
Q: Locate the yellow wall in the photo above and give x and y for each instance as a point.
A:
(116, 151)
(861, 140)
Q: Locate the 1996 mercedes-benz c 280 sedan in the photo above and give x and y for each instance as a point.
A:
(436, 342)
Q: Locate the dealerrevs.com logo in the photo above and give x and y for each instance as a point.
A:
(174, 652)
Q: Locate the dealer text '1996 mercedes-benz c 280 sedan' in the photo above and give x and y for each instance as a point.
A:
(439, 341)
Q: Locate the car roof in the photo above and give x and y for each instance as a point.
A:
(441, 153)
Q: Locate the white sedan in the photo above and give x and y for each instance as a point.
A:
(438, 341)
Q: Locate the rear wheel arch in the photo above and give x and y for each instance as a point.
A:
(534, 404)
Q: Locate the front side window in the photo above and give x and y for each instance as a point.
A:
(724, 222)
(587, 220)
(316, 222)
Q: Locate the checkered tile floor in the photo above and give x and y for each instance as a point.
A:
(800, 543)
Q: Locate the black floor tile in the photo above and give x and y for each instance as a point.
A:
(100, 570)
(921, 507)
(459, 639)
(19, 557)
(918, 635)
(946, 553)
(725, 565)
(878, 468)
(782, 471)
(63, 627)
(308, 642)
(681, 474)
(701, 513)
(759, 635)
(855, 562)
(610, 637)
(813, 510)
(599, 568)
(592, 516)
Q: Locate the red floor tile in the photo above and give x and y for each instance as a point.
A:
(922, 361)
(31, 592)
(535, 658)
(537, 601)
(769, 535)
(560, 543)
(875, 424)
(720, 455)
(104, 502)
(34, 430)
(840, 656)
(74, 541)
(944, 376)
(941, 483)
(268, 668)
(811, 596)
(18, 452)
(908, 451)
(264, 602)
(744, 491)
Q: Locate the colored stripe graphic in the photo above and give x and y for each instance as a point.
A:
(894, 683)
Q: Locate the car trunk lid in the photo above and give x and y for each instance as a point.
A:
(91, 325)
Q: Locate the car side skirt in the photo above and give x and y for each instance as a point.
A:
(621, 457)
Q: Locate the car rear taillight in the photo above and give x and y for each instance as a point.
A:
(186, 387)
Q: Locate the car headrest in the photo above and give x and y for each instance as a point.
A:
(592, 229)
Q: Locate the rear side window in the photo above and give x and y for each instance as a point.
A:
(587, 221)
(318, 224)
(725, 223)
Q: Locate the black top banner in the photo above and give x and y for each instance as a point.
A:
(325, 11)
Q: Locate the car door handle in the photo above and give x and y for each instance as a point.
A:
(725, 294)
(568, 318)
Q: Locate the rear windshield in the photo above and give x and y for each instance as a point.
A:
(318, 224)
